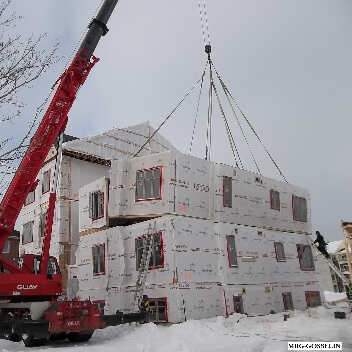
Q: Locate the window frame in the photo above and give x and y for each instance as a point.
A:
(46, 181)
(273, 200)
(299, 246)
(28, 199)
(7, 247)
(29, 224)
(100, 305)
(287, 298)
(152, 257)
(101, 261)
(225, 179)
(157, 300)
(141, 198)
(43, 222)
(94, 205)
(277, 251)
(298, 209)
(229, 250)
(308, 298)
(238, 304)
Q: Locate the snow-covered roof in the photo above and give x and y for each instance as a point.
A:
(121, 143)
(334, 246)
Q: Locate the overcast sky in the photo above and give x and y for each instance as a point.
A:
(286, 63)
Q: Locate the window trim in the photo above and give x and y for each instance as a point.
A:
(91, 194)
(164, 299)
(224, 178)
(29, 222)
(25, 201)
(299, 257)
(160, 184)
(293, 209)
(7, 247)
(276, 251)
(285, 301)
(162, 265)
(104, 259)
(273, 191)
(234, 303)
(100, 305)
(42, 223)
(49, 175)
(228, 251)
(310, 292)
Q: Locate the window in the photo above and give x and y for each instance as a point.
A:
(46, 182)
(231, 250)
(27, 233)
(274, 200)
(313, 299)
(157, 310)
(156, 258)
(98, 252)
(299, 207)
(30, 198)
(42, 223)
(280, 252)
(7, 247)
(227, 191)
(305, 257)
(148, 184)
(100, 305)
(287, 299)
(96, 205)
(238, 304)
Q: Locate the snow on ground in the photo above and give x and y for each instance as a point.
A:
(238, 333)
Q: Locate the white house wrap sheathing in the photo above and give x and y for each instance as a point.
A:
(86, 222)
(121, 143)
(194, 187)
(251, 200)
(195, 278)
(185, 186)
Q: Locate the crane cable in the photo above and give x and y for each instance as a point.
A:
(228, 130)
(206, 22)
(237, 119)
(173, 110)
(228, 94)
(197, 110)
(210, 113)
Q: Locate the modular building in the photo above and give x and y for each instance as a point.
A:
(225, 240)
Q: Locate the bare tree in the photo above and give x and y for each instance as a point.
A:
(21, 63)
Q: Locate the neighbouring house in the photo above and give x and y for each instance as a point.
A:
(11, 248)
(224, 239)
(338, 255)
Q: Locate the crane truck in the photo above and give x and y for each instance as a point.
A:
(31, 305)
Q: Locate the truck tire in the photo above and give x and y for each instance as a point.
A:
(10, 336)
(77, 337)
(30, 341)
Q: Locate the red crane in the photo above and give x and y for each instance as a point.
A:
(27, 284)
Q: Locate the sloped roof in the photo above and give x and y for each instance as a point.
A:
(120, 143)
(334, 246)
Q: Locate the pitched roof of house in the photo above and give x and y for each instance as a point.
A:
(120, 143)
(334, 246)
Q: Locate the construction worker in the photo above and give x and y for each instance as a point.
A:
(349, 292)
(321, 244)
(144, 307)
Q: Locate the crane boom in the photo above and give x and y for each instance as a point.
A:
(53, 123)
